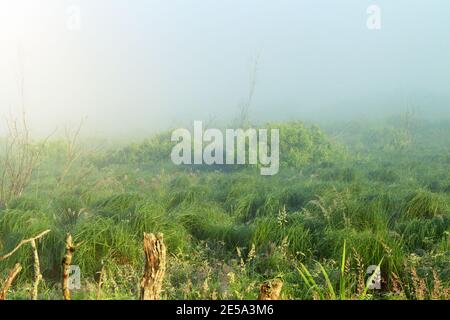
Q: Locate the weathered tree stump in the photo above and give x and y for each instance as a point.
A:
(271, 290)
(11, 276)
(155, 266)
(37, 271)
(66, 262)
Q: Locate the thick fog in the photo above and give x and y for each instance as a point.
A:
(133, 67)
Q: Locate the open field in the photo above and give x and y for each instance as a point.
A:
(348, 196)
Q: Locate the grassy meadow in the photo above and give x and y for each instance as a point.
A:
(348, 196)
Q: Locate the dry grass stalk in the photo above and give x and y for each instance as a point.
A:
(66, 262)
(271, 290)
(361, 273)
(397, 286)
(245, 107)
(11, 276)
(439, 290)
(73, 152)
(419, 285)
(155, 266)
(101, 280)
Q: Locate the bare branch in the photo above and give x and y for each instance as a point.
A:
(21, 243)
(12, 275)
(73, 152)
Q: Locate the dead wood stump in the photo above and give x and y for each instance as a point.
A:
(66, 263)
(270, 290)
(155, 266)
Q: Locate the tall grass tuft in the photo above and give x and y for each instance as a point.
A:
(424, 204)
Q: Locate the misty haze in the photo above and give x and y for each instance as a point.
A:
(224, 150)
(136, 68)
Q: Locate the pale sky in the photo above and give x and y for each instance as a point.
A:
(143, 65)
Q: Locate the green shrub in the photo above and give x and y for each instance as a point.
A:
(301, 145)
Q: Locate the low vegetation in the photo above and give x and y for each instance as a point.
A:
(347, 197)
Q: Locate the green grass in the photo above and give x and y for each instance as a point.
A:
(338, 205)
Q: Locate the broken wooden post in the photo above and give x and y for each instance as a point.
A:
(66, 262)
(11, 276)
(270, 290)
(155, 266)
(37, 271)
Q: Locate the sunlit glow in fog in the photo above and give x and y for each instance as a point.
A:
(138, 66)
(17, 18)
